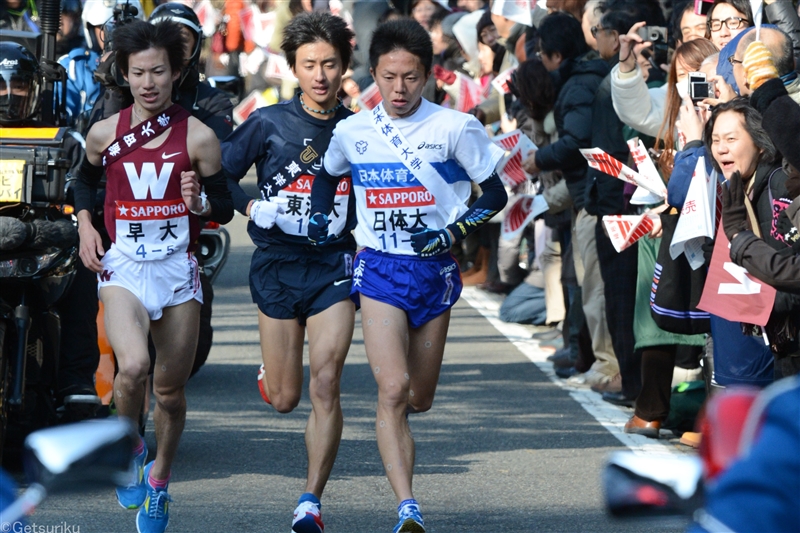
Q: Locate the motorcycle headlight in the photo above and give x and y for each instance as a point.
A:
(24, 267)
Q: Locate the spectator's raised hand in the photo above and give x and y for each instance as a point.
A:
(734, 212)
(723, 92)
(691, 121)
(630, 46)
(529, 163)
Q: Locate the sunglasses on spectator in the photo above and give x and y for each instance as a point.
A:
(734, 61)
(733, 23)
(595, 30)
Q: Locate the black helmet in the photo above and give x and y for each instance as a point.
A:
(19, 82)
(184, 15)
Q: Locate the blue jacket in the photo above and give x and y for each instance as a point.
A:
(82, 88)
(761, 490)
(683, 170)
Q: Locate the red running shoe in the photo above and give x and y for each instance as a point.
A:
(263, 392)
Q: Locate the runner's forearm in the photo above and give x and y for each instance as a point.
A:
(323, 192)
(85, 187)
(492, 201)
(219, 198)
(241, 200)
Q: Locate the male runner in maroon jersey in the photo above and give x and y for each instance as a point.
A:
(157, 159)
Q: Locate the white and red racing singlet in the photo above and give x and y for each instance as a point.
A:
(145, 214)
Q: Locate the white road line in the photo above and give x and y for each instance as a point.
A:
(611, 417)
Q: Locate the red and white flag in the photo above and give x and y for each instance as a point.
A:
(500, 83)
(370, 98)
(470, 93)
(731, 292)
(510, 168)
(208, 17)
(647, 170)
(247, 16)
(521, 213)
(600, 160)
(250, 103)
(264, 27)
(278, 67)
(624, 230)
(512, 139)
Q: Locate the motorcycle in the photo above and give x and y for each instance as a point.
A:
(38, 254)
(68, 458)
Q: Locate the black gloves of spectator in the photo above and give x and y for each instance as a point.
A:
(734, 213)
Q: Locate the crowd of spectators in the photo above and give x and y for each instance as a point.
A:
(582, 75)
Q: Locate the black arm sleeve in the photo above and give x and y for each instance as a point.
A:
(323, 191)
(492, 201)
(219, 197)
(85, 188)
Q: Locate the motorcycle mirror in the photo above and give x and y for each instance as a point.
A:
(84, 454)
(652, 485)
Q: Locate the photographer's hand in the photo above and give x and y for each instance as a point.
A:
(690, 122)
(630, 46)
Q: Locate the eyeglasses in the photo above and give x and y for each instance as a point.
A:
(733, 23)
(733, 61)
(595, 30)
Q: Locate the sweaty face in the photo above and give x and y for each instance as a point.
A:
(400, 77)
(732, 147)
(151, 78)
(318, 68)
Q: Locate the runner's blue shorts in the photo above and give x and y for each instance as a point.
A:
(299, 281)
(423, 287)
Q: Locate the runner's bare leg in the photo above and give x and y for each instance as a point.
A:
(282, 353)
(175, 338)
(329, 335)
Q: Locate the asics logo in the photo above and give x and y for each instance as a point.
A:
(164, 155)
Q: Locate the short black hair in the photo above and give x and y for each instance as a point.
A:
(137, 36)
(561, 32)
(317, 26)
(401, 34)
(742, 6)
(535, 88)
(752, 124)
(620, 20)
(677, 17)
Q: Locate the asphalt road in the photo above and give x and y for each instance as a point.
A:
(503, 449)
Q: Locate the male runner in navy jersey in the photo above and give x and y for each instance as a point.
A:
(156, 158)
(412, 164)
(298, 286)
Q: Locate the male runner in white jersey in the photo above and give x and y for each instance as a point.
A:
(157, 158)
(411, 162)
(295, 285)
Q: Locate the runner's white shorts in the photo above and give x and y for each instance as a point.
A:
(157, 284)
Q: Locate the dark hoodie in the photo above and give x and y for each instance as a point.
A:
(577, 81)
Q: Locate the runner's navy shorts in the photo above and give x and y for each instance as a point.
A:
(299, 281)
(423, 287)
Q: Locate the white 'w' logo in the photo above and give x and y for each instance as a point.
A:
(148, 181)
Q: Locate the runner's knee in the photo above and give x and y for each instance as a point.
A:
(172, 401)
(284, 401)
(393, 393)
(133, 371)
(419, 403)
(324, 386)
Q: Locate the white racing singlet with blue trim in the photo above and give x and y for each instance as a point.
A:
(390, 200)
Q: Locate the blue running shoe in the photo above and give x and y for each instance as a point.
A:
(153, 515)
(132, 496)
(410, 519)
(307, 517)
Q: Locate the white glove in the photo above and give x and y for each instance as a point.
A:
(265, 212)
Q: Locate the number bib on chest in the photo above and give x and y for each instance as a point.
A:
(394, 212)
(298, 196)
(152, 230)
